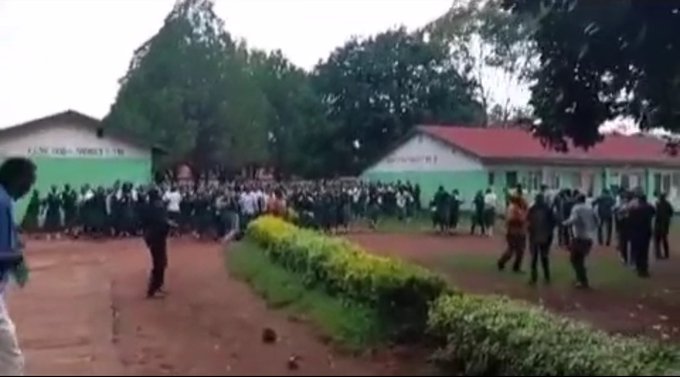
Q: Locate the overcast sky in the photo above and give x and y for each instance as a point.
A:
(68, 54)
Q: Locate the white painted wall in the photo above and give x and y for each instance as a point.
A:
(424, 153)
(67, 140)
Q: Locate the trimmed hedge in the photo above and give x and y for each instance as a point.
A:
(489, 335)
(401, 292)
(478, 335)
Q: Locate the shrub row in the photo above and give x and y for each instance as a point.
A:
(399, 291)
(490, 335)
(477, 335)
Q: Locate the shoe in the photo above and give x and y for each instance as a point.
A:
(500, 266)
(581, 286)
(158, 295)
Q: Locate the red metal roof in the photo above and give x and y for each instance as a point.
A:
(518, 145)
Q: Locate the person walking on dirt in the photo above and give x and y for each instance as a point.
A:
(640, 220)
(605, 212)
(662, 225)
(17, 175)
(478, 216)
(516, 228)
(542, 223)
(584, 228)
(156, 228)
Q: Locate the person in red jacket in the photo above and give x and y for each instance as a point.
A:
(516, 236)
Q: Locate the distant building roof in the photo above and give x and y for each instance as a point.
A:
(78, 117)
(516, 145)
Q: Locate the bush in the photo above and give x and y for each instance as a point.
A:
(353, 327)
(400, 292)
(498, 336)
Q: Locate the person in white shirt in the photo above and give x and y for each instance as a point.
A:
(490, 203)
(248, 204)
(173, 201)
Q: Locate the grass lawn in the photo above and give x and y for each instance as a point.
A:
(606, 272)
(350, 325)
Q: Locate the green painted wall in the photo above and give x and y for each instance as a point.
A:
(467, 182)
(79, 171)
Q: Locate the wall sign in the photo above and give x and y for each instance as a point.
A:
(75, 152)
(426, 159)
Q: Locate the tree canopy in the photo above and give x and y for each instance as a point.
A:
(376, 90)
(188, 89)
(492, 47)
(600, 60)
(212, 101)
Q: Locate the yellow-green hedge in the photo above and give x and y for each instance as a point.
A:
(489, 335)
(401, 292)
(477, 335)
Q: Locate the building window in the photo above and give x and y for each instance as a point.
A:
(511, 179)
(662, 183)
(555, 181)
(532, 180)
(625, 181)
(576, 181)
(492, 179)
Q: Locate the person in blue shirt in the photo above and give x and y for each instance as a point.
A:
(17, 176)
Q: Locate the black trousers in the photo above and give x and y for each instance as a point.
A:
(604, 231)
(478, 221)
(661, 248)
(580, 248)
(516, 247)
(159, 261)
(563, 235)
(540, 251)
(624, 247)
(640, 252)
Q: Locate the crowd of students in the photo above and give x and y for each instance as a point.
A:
(213, 209)
(580, 223)
(217, 209)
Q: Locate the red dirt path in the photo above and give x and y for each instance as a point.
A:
(632, 313)
(83, 313)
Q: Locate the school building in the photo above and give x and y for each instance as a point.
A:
(70, 147)
(472, 159)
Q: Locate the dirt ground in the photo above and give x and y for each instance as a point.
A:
(653, 310)
(83, 312)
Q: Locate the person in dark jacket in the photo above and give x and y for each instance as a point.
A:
(621, 215)
(640, 220)
(478, 215)
(156, 227)
(662, 225)
(541, 221)
(605, 213)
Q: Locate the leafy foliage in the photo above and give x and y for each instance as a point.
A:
(600, 60)
(351, 325)
(376, 90)
(492, 47)
(497, 336)
(188, 90)
(295, 119)
(400, 292)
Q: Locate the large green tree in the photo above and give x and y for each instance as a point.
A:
(604, 59)
(376, 90)
(189, 90)
(295, 117)
(493, 48)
